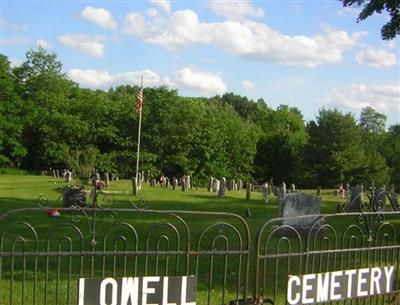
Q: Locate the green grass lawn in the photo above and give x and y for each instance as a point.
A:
(192, 232)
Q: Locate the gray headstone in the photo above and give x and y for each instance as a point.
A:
(221, 192)
(355, 199)
(283, 188)
(216, 184)
(210, 183)
(107, 179)
(54, 173)
(265, 192)
(188, 182)
(174, 183)
(58, 173)
(292, 187)
(300, 204)
(154, 183)
(166, 182)
(248, 191)
(240, 185)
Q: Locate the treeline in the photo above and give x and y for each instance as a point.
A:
(48, 121)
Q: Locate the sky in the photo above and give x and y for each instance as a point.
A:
(305, 54)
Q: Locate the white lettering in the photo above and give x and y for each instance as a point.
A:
(296, 281)
(389, 274)
(147, 290)
(165, 292)
(361, 281)
(114, 291)
(306, 288)
(183, 292)
(376, 274)
(81, 293)
(335, 284)
(323, 287)
(350, 274)
(130, 290)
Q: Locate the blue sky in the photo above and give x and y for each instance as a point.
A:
(308, 54)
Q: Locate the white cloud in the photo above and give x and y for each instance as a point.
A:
(248, 39)
(391, 44)
(103, 79)
(163, 4)
(99, 16)
(89, 45)
(247, 85)
(15, 62)
(195, 82)
(237, 11)
(43, 43)
(376, 58)
(383, 97)
(205, 83)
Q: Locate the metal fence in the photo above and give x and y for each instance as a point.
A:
(41, 258)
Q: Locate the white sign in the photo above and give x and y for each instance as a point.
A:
(149, 290)
(339, 285)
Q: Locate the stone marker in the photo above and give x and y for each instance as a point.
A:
(58, 173)
(240, 185)
(355, 199)
(300, 204)
(54, 173)
(166, 182)
(283, 188)
(221, 192)
(248, 190)
(215, 186)
(265, 192)
(107, 179)
(292, 188)
(210, 183)
(174, 183)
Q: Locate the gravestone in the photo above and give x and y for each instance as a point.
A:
(215, 187)
(188, 182)
(318, 191)
(154, 181)
(221, 192)
(183, 185)
(276, 191)
(355, 199)
(300, 204)
(210, 183)
(58, 173)
(74, 197)
(283, 188)
(292, 188)
(240, 185)
(166, 182)
(265, 192)
(248, 190)
(107, 179)
(54, 173)
(174, 183)
(235, 186)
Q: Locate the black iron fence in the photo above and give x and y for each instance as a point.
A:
(42, 258)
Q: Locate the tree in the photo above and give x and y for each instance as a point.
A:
(392, 27)
(372, 121)
(334, 149)
(373, 124)
(392, 153)
(12, 117)
(279, 149)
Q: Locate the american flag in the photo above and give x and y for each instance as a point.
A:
(139, 100)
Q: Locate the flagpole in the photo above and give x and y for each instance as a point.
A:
(138, 143)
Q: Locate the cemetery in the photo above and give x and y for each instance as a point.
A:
(199, 152)
(146, 235)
